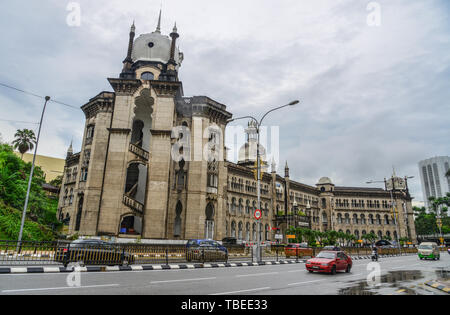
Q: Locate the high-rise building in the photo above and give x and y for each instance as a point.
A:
(432, 176)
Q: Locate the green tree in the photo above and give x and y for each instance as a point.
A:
(14, 174)
(24, 141)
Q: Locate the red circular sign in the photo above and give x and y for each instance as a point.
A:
(257, 214)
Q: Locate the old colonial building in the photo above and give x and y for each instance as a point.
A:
(153, 165)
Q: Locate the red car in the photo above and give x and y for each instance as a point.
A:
(330, 262)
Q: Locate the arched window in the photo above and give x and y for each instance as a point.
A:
(177, 223)
(233, 229)
(347, 218)
(240, 229)
(147, 76)
(247, 231)
(363, 219)
(241, 206)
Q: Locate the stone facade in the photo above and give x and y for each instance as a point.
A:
(143, 170)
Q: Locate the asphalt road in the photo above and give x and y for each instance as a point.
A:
(398, 275)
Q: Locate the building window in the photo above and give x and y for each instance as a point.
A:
(147, 76)
(90, 133)
(84, 174)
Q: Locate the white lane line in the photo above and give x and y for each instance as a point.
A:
(257, 274)
(62, 288)
(240, 291)
(296, 283)
(182, 280)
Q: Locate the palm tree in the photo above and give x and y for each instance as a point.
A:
(24, 141)
(448, 173)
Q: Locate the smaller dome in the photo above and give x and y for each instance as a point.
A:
(324, 181)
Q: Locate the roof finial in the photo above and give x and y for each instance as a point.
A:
(158, 28)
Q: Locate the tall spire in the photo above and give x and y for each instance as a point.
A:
(70, 150)
(158, 28)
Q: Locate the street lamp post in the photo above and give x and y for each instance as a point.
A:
(258, 167)
(19, 241)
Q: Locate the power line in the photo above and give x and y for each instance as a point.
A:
(35, 95)
(21, 122)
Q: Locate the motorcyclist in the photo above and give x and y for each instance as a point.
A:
(375, 253)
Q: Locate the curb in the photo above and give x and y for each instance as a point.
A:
(21, 270)
(437, 285)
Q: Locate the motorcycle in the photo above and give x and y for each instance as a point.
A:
(374, 256)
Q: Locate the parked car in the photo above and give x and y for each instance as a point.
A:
(92, 252)
(297, 250)
(330, 262)
(428, 250)
(448, 250)
(229, 241)
(205, 250)
(384, 243)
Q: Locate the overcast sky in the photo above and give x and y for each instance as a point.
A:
(374, 89)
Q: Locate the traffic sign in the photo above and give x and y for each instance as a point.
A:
(257, 214)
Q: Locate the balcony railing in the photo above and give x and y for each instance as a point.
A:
(133, 204)
(139, 152)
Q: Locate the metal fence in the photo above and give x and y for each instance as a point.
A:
(66, 253)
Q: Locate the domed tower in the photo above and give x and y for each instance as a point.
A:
(247, 153)
(155, 52)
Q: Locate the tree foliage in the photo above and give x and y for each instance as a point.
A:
(41, 211)
(24, 141)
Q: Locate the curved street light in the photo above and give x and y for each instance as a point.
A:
(258, 166)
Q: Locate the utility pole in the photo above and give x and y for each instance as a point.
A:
(19, 241)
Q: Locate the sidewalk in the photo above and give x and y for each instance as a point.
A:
(443, 285)
(15, 270)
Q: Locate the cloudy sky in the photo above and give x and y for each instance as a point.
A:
(374, 88)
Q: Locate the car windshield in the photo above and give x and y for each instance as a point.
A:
(326, 255)
(425, 247)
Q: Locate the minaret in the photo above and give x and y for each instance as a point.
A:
(128, 62)
(171, 73)
(174, 35)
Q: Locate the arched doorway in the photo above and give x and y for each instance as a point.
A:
(209, 222)
(131, 225)
(79, 213)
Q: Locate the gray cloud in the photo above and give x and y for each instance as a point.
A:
(372, 97)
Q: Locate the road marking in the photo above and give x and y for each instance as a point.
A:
(257, 274)
(182, 280)
(240, 291)
(307, 282)
(62, 288)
